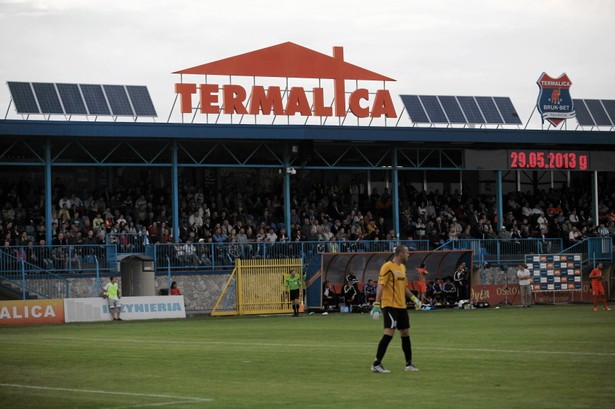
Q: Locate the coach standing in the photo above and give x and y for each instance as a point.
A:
(525, 288)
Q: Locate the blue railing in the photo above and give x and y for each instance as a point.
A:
(26, 280)
(62, 259)
(504, 251)
(593, 249)
(220, 256)
(25, 267)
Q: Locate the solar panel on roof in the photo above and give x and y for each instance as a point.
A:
(582, 113)
(489, 110)
(609, 105)
(452, 109)
(507, 110)
(118, 100)
(598, 113)
(414, 108)
(471, 110)
(71, 99)
(23, 97)
(141, 101)
(433, 108)
(95, 99)
(47, 97)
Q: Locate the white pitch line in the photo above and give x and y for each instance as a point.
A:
(153, 404)
(512, 351)
(146, 395)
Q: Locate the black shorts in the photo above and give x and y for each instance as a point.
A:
(396, 318)
(294, 294)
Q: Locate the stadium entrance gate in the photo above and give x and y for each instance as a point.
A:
(257, 287)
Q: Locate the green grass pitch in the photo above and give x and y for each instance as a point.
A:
(544, 357)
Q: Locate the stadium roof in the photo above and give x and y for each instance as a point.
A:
(463, 136)
(285, 60)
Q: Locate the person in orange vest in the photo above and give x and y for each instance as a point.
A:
(597, 288)
(422, 285)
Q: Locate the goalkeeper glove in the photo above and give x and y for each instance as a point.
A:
(417, 302)
(376, 311)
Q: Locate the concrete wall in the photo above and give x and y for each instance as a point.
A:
(200, 291)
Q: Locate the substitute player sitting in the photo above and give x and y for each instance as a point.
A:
(391, 302)
(597, 288)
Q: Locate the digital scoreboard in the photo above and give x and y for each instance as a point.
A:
(548, 160)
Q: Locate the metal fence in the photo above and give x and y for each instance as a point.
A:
(22, 279)
(23, 265)
(593, 249)
(62, 259)
(504, 251)
(217, 256)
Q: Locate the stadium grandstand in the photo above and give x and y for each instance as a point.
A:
(89, 177)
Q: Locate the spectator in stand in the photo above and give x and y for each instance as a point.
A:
(467, 233)
(219, 236)
(420, 232)
(574, 218)
(271, 236)
(574, 236)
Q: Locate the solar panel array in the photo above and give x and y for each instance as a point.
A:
(595, 112)
(81, 99)
(460, 110)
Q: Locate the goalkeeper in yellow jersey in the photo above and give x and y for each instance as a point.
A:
(391, 302)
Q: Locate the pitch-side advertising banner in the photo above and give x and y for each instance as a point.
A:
(133, 308)
(31, 312)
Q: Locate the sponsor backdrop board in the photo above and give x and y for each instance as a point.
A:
(555, 272)
(133, 308)
(28, 312)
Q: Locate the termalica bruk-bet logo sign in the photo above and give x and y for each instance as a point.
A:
(554, 100)
(287, 60)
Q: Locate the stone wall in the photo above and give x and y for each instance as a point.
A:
(200, 291)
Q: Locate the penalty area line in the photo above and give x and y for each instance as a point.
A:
(142, 395)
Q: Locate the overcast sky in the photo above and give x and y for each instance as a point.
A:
(447, 47)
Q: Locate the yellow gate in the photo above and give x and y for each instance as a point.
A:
(257, 287)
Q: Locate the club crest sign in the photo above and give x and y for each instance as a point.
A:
(554, 100)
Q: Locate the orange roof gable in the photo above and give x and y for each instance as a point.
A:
(286, 60)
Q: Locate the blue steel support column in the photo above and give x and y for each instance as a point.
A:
(287, 193)
(395, 193)
(175, 195)
(595, 197)
(499, 199)
(48, 193)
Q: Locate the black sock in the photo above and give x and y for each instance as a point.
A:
(407, 348)
(382, 348)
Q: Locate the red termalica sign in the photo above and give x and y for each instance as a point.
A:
(286, 60)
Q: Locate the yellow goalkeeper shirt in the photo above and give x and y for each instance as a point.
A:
(393, 280)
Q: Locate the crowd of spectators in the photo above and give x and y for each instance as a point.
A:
(319, 212)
